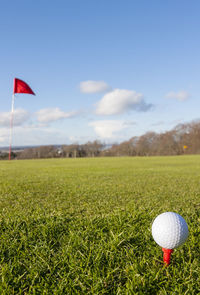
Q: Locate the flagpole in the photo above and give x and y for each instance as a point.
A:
(11, 124)
(19, 87)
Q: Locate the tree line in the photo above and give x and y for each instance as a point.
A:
(183, 139)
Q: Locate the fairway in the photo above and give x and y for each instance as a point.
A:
(83, 226)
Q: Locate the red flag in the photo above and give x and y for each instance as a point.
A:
(22, 87)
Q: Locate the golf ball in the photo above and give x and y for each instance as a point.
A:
(169, 230)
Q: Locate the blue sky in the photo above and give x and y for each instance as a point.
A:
(106, 70)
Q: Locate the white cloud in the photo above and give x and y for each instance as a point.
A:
(94, 86)
(33, 135)
(53, 114)
(2, 139)
(19, 117)
(4, 134)
(159, 123)
(107, 128)
(180, 95)
(119, 101)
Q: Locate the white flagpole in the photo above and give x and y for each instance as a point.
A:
(11, 124)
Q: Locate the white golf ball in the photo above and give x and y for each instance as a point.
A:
(169, 230)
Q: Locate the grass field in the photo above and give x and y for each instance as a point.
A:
(83, 226)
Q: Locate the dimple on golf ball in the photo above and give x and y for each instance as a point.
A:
(169, 230)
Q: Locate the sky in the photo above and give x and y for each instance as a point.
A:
(101, 70)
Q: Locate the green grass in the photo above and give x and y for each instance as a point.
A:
(83, 226)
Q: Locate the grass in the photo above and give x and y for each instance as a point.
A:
(83, 226)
